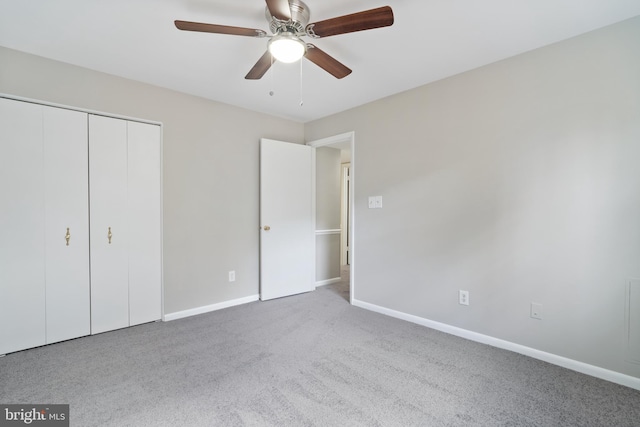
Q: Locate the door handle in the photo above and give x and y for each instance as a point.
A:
(109, 235)
(67, 236)
(266, 228)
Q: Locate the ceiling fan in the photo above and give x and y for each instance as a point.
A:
(289, 21)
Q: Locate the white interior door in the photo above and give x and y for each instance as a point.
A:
(66, 208)
(287, 235)
(143, 212)
(109, 230)
(22, 284)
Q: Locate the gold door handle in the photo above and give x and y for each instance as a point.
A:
(67, 236)
(109, 235)
(266, 228)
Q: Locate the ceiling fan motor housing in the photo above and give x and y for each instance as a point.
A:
(299, 19)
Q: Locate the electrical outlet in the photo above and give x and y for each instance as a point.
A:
(536, 311)
(463, 297)
(232, 276)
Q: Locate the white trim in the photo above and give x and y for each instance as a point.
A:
(585, 368)
(352, 220)
(209, 308)
(344, 212)
(82, 110)
(343, 137)
(313, 212)
(323, 232)
(161, 208)
(328, 281)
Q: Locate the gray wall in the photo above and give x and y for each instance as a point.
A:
(210, 171)
(327, 212)
(519, 182)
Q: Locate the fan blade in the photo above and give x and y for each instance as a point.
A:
(261, 67)
(279, 9)
(366, 20)
(219, 29)
(326, 62)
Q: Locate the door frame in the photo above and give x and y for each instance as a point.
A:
(345, 195)
(343, 138)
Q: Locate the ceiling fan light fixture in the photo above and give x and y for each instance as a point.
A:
(287, 48)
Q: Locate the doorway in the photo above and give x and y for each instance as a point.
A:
(346, 144)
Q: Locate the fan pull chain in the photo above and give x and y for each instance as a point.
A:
(271, 71)
(301, 100)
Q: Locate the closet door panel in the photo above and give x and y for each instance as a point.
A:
(66, 208)
(144, 210)
(108, 201)
(22, 284)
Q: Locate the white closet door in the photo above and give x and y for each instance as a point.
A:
(108, 212)
(66, 208)
(22, 284)
(145, 267)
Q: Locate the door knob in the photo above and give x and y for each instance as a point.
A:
(266, 228)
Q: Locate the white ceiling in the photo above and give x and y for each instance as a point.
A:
(430, 40)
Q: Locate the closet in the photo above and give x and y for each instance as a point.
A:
(64, 176)
(124, 170)
(44, 243)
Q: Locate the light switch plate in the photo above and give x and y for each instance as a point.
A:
(372, 202)
(536, 311)
(378, 202)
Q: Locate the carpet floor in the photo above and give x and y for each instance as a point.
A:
(306, 360)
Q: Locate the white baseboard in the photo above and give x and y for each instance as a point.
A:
(328, 281)
(209, 308)
(594, 371)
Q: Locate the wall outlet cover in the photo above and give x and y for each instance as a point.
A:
(463, 297)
